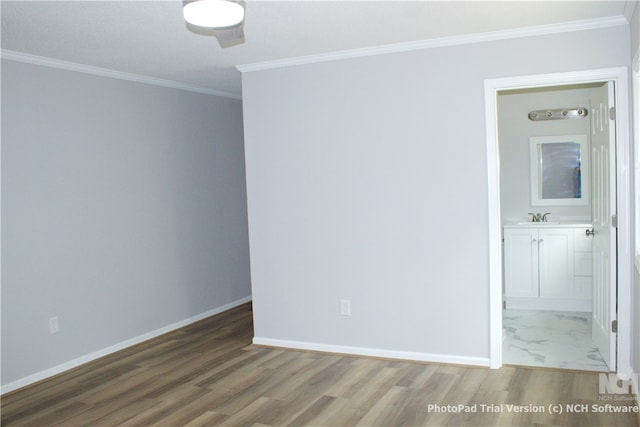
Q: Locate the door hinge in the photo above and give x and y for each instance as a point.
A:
(614, 221)
(612, 113)
(614, 326)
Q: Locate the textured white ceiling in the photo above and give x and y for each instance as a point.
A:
(150, 38)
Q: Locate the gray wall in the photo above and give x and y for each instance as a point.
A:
(123, 211)
(367, 181)
(515, 129)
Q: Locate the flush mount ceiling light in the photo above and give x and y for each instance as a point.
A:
(213, 13)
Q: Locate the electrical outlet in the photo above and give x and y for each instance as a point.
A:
(345, 307)
(54, 325)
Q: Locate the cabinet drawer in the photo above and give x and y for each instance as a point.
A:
(582, 241)
(583, 264)
(583, 287)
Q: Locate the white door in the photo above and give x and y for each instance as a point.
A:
(603, 205)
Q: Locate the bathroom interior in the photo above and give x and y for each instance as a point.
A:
(546, 193)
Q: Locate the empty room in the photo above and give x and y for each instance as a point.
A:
(320, 213)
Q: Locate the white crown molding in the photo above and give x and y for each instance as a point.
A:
(105, 72)
(440, 42)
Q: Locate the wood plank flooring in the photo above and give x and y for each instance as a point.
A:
(209, 374)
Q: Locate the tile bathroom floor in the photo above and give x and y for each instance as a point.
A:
(553, 339)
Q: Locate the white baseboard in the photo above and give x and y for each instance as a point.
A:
(47, 373)
(374, 352)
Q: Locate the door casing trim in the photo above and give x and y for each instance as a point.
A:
(620, 76)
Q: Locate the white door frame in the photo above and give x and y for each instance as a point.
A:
(636, 152)
(636, 202)
(624, 162)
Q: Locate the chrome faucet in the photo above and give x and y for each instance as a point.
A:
(538, 217)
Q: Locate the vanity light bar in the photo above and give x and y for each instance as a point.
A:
(558, 114)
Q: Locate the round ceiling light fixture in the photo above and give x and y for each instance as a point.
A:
(213, 13)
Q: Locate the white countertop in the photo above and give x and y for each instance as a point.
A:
(550, 224)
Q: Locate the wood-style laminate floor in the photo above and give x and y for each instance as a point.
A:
(209, 374)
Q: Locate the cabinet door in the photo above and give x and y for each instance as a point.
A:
(556, 258)
(521, 262)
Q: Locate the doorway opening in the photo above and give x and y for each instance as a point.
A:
(547, 200)
(569, 303)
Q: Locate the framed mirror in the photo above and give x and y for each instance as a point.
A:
(559, 170)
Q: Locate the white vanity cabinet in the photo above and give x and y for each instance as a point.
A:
(547, 267)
